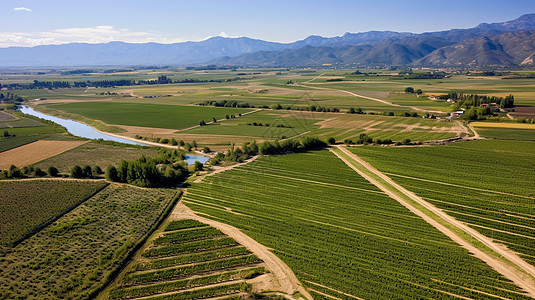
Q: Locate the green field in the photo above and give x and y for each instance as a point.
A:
(507, 133)
(22, 199)
(148, 115)
(340, 234)
(75, 256)
(193, 266)
(486, 184)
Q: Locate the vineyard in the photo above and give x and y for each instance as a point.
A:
(76, 255)
(495, 196)
(28, 206)
(341, 235)
(189, 260)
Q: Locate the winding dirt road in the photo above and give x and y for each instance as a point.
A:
(515, 268)
(285, 278)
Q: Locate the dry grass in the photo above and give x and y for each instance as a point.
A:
(503, 125)
(34, 152)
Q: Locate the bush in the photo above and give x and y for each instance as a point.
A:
(77, 172)
(111, 173)
(39, 172)
(331, 141)
(198, 166)
(52, 171)
(206, 150)
(87, 172)
(97, 170)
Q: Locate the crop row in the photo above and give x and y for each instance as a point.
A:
(340, 232)
(210, 292)
(166, 274)
(195, 246)
(172, 286)
(183, 224)
(187, 235)
(192, 258)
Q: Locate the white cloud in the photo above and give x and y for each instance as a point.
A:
(97, 34)
(21, 9)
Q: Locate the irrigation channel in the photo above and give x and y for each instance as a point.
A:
(86, 131)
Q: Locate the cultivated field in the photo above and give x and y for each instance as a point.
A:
(486, 184)
(28, 206)
(76, 255)
(340, 234)
(189, 260)
(31, 153)
(6, 117)
(93, 154)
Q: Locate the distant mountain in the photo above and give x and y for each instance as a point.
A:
(485, 44)
(120, 53)
(506, 49)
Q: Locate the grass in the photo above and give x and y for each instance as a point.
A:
(147, 115)
(486, 184)
(16, 141)
(75, 256)
(28, 206)
(335, 229)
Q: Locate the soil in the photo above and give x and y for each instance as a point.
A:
(34, 152)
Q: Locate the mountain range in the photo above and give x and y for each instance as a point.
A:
(509, 43)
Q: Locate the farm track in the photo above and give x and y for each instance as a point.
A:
(502, 259)
(286, 280)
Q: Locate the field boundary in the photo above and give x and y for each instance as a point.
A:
(500, 258)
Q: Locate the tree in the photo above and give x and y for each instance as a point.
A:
(111, 173)
(206, 150)
(215, 121)
(419, 92)
(202, 123)
(409, 90)
(39, 172)
(198, 166)
(351, 110)
(52, 171)
(188, 147)
(194, 144)
(331, 141)
(77, 172)
(6, 133)
(98, 170)
(87, 172)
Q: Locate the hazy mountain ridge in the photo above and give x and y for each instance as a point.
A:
(505, 43)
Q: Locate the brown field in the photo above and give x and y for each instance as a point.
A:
(523, 112)
(6, 117)
(34, 152)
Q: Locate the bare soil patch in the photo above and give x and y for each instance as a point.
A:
(523, 112)
(35, 152)
(6, 117)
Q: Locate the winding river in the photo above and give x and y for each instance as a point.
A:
(86, 131)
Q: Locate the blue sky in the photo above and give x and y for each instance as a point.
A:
(34, 22)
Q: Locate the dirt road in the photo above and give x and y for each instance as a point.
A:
(285, 278)
(515, 268)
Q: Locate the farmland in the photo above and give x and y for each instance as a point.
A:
(51, 198)
(34, 152)
(76, 255)
(93, 154)
(506, 131)
(494, 196)
(148, 115)
(189, 260)
(339, 233)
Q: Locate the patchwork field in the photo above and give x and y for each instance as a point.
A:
(31, 153)
(486, 184)
(93, 154)
(340, 234)
(21, 200)
(190, 260)
(77, 254)
(6, 117)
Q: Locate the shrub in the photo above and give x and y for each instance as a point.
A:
(52, 171)
(77, 172)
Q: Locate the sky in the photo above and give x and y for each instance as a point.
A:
(38, 22)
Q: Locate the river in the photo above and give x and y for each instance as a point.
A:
(88, 132)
